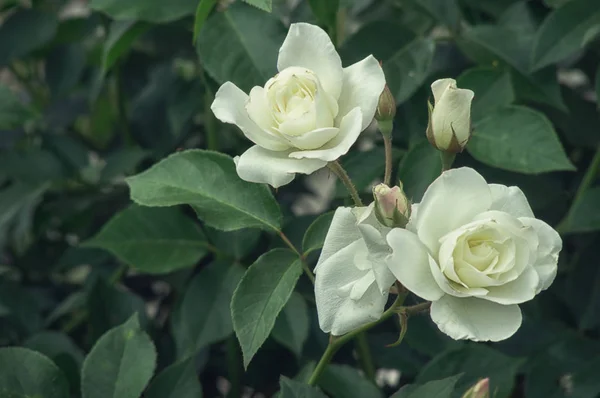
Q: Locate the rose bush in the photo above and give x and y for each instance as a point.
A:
(476, 251)
(307, 115)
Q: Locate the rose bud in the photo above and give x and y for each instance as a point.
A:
(386, 110)
(449, 126)
(480, 390)
(392, 208)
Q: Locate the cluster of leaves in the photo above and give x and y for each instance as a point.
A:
(100, 297)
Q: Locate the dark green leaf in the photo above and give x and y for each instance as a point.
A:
(252, 39)
(260, 296)
(445, 11)
(265, 5)
(13, 112)
(314, 237)
(120, 364)
(585, 215)
(64, 67)
(295, 389)
(121, 36)
(208, 182)
(565, 31)
(203, 317)
(24, 31)
(437, 388)
(177, 381)
(237, 244)
(292, 325)
(153, 240)
(518, 139)
(25, 373)
(325, 11)
(418, 168)
(202, 11)
(493, 89)
(342, 381)
(122, 162)
(157, 11)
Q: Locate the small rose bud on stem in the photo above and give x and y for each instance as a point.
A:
(386, 110)
(392, 207)
(480, 390)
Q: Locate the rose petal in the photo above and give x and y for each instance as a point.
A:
(475, 319)
(272, 167)
(340, 144)
(342, 232)
(229, 106)
(510, 200)
(550, 245)
(313, 139)
(363, 83)
(410, 264)
(522, 289)
(439, 86)
(452, 114)
(310, 47)
(451, 201)
(452, 288)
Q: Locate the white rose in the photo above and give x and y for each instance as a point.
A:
(476, 251)
(307, 115)
(450, 120)
(352, 278)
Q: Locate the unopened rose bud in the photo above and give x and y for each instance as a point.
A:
(449, 126)
(386, 110)
(480, 390)
(392, 208)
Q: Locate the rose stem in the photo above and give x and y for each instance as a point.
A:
(339, 171)
(387, 143)
(305, 267)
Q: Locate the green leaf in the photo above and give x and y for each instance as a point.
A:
(122, 162)
(252, 39)
(202, 11)
(157, 11)
(260, 296)
(437, 388)
(445, 11)
(25, 373)
(343, 381)
(493, 89)
(238, 243)
(314, 237)
(565, 31)
(203, 317)
(597, 84)
(121, 36)
(292, 325)
(265, 5)
(477, 362)
(585, 215)
(177, 381)
(294, 389)
(24, 31)
(541, 87)
(208, 182)
(325, 11)
(518, 139)
(418, 168)
(13, 113)
(64, 67)
(153, 240)
(120, 364)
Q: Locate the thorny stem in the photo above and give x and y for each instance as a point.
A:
(339, 171)
(305, 267)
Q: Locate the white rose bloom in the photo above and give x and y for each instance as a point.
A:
(476, 251)
(352, 277)
(307, 115)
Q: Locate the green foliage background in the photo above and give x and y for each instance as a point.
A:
(105, 101)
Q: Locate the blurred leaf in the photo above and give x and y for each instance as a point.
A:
(153, 240)
(294, 389)
(24, 31)
(343, 381)
(209, 183)
(252, 39)
(177, 381)
(120, 364)
(64, 67)
(122, 162)
(26, 373)
(13, 112)
(364, 168)
(203, 317)
(108, 307)
(418, 168)
(265, 5)
(518, 139)
(541, 87)
(585, 381)
(157, 11)
(565, 31)
(476, 362)
(261, 294)
(292, 325)
(121, 36)
(24, 315)
(445, 11)
(202, 11)
(585, 214)
(238, 243)
(325, 11)
(492, 87)
(17, 205)
(34, 167)
(314, 237)
(437, 388)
